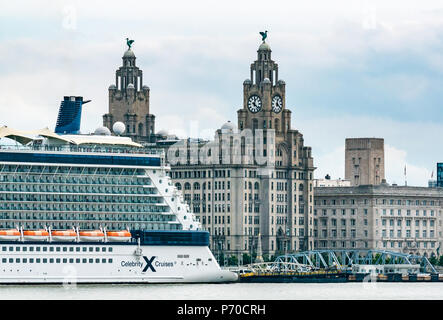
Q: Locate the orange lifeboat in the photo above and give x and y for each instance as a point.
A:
(9, 235)
(64, 235)
(91, 235)
(118, 236)
(38, 235)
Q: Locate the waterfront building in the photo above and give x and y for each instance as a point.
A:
(129, 102)
(388, 217)
(255, 179)
(364, 161)
(440, 174)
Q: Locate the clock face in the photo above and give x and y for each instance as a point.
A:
(277, 104)
(254, 104)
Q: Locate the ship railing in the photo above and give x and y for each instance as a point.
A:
(84, 149)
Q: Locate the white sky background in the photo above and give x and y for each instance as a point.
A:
(352, 68)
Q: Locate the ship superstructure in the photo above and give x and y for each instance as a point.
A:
(94, 193)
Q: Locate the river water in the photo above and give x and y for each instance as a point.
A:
(232, 291)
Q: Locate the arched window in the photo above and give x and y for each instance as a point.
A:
(140, 129)
(187, 186)
(256, 186)
(178, 186)
(300, 187)
(196, 186)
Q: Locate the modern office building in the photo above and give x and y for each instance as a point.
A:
(439, 174)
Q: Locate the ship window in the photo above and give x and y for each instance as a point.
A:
(65, 249)
(51, 249)
(91, 260)
(45, 260)
(109, 260)
(37, 249)
(84, 260)
(91, 249)
(77, 249)
(11, 260)
(45, 249)
(77, 260)
(104, 249)
(103, 260)
(65, 260)
(37, 260)
(84, 249)
(57, 249)
(17, 260)
(31, 260)
(3, 248)
(97, 260)
(97, 249)
(11, 248)
(51, 260)
(110, 249)
(25, 260)
(4, 260)
(25, 249)
(71, 260)
(31, 249)
(57, 260)
(71, 249)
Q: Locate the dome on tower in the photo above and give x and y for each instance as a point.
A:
(264, 47)
(228, 127)
(112, 87)
(131, 86)
(266, 80)
(129, 54)
(247, 81)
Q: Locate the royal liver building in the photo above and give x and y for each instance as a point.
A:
(254, 179)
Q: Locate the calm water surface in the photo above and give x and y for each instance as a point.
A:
(233, 291)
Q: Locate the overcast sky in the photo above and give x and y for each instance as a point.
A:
(352, 68)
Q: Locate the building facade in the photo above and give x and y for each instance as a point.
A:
(364, 161)
(129, 102)
(238, 197)
(439, 174)
(388, 217)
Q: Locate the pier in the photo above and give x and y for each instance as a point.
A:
(342, 266)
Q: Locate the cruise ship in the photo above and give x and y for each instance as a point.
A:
(95, 208)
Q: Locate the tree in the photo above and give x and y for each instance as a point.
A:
(246, 258)
(233, 260)
(440, 261)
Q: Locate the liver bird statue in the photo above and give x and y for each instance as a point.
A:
(129, 43)
(264, 35)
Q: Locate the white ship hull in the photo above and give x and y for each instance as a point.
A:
(108, 263)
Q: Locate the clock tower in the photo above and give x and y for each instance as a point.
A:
(286, 199)
(129, 102)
